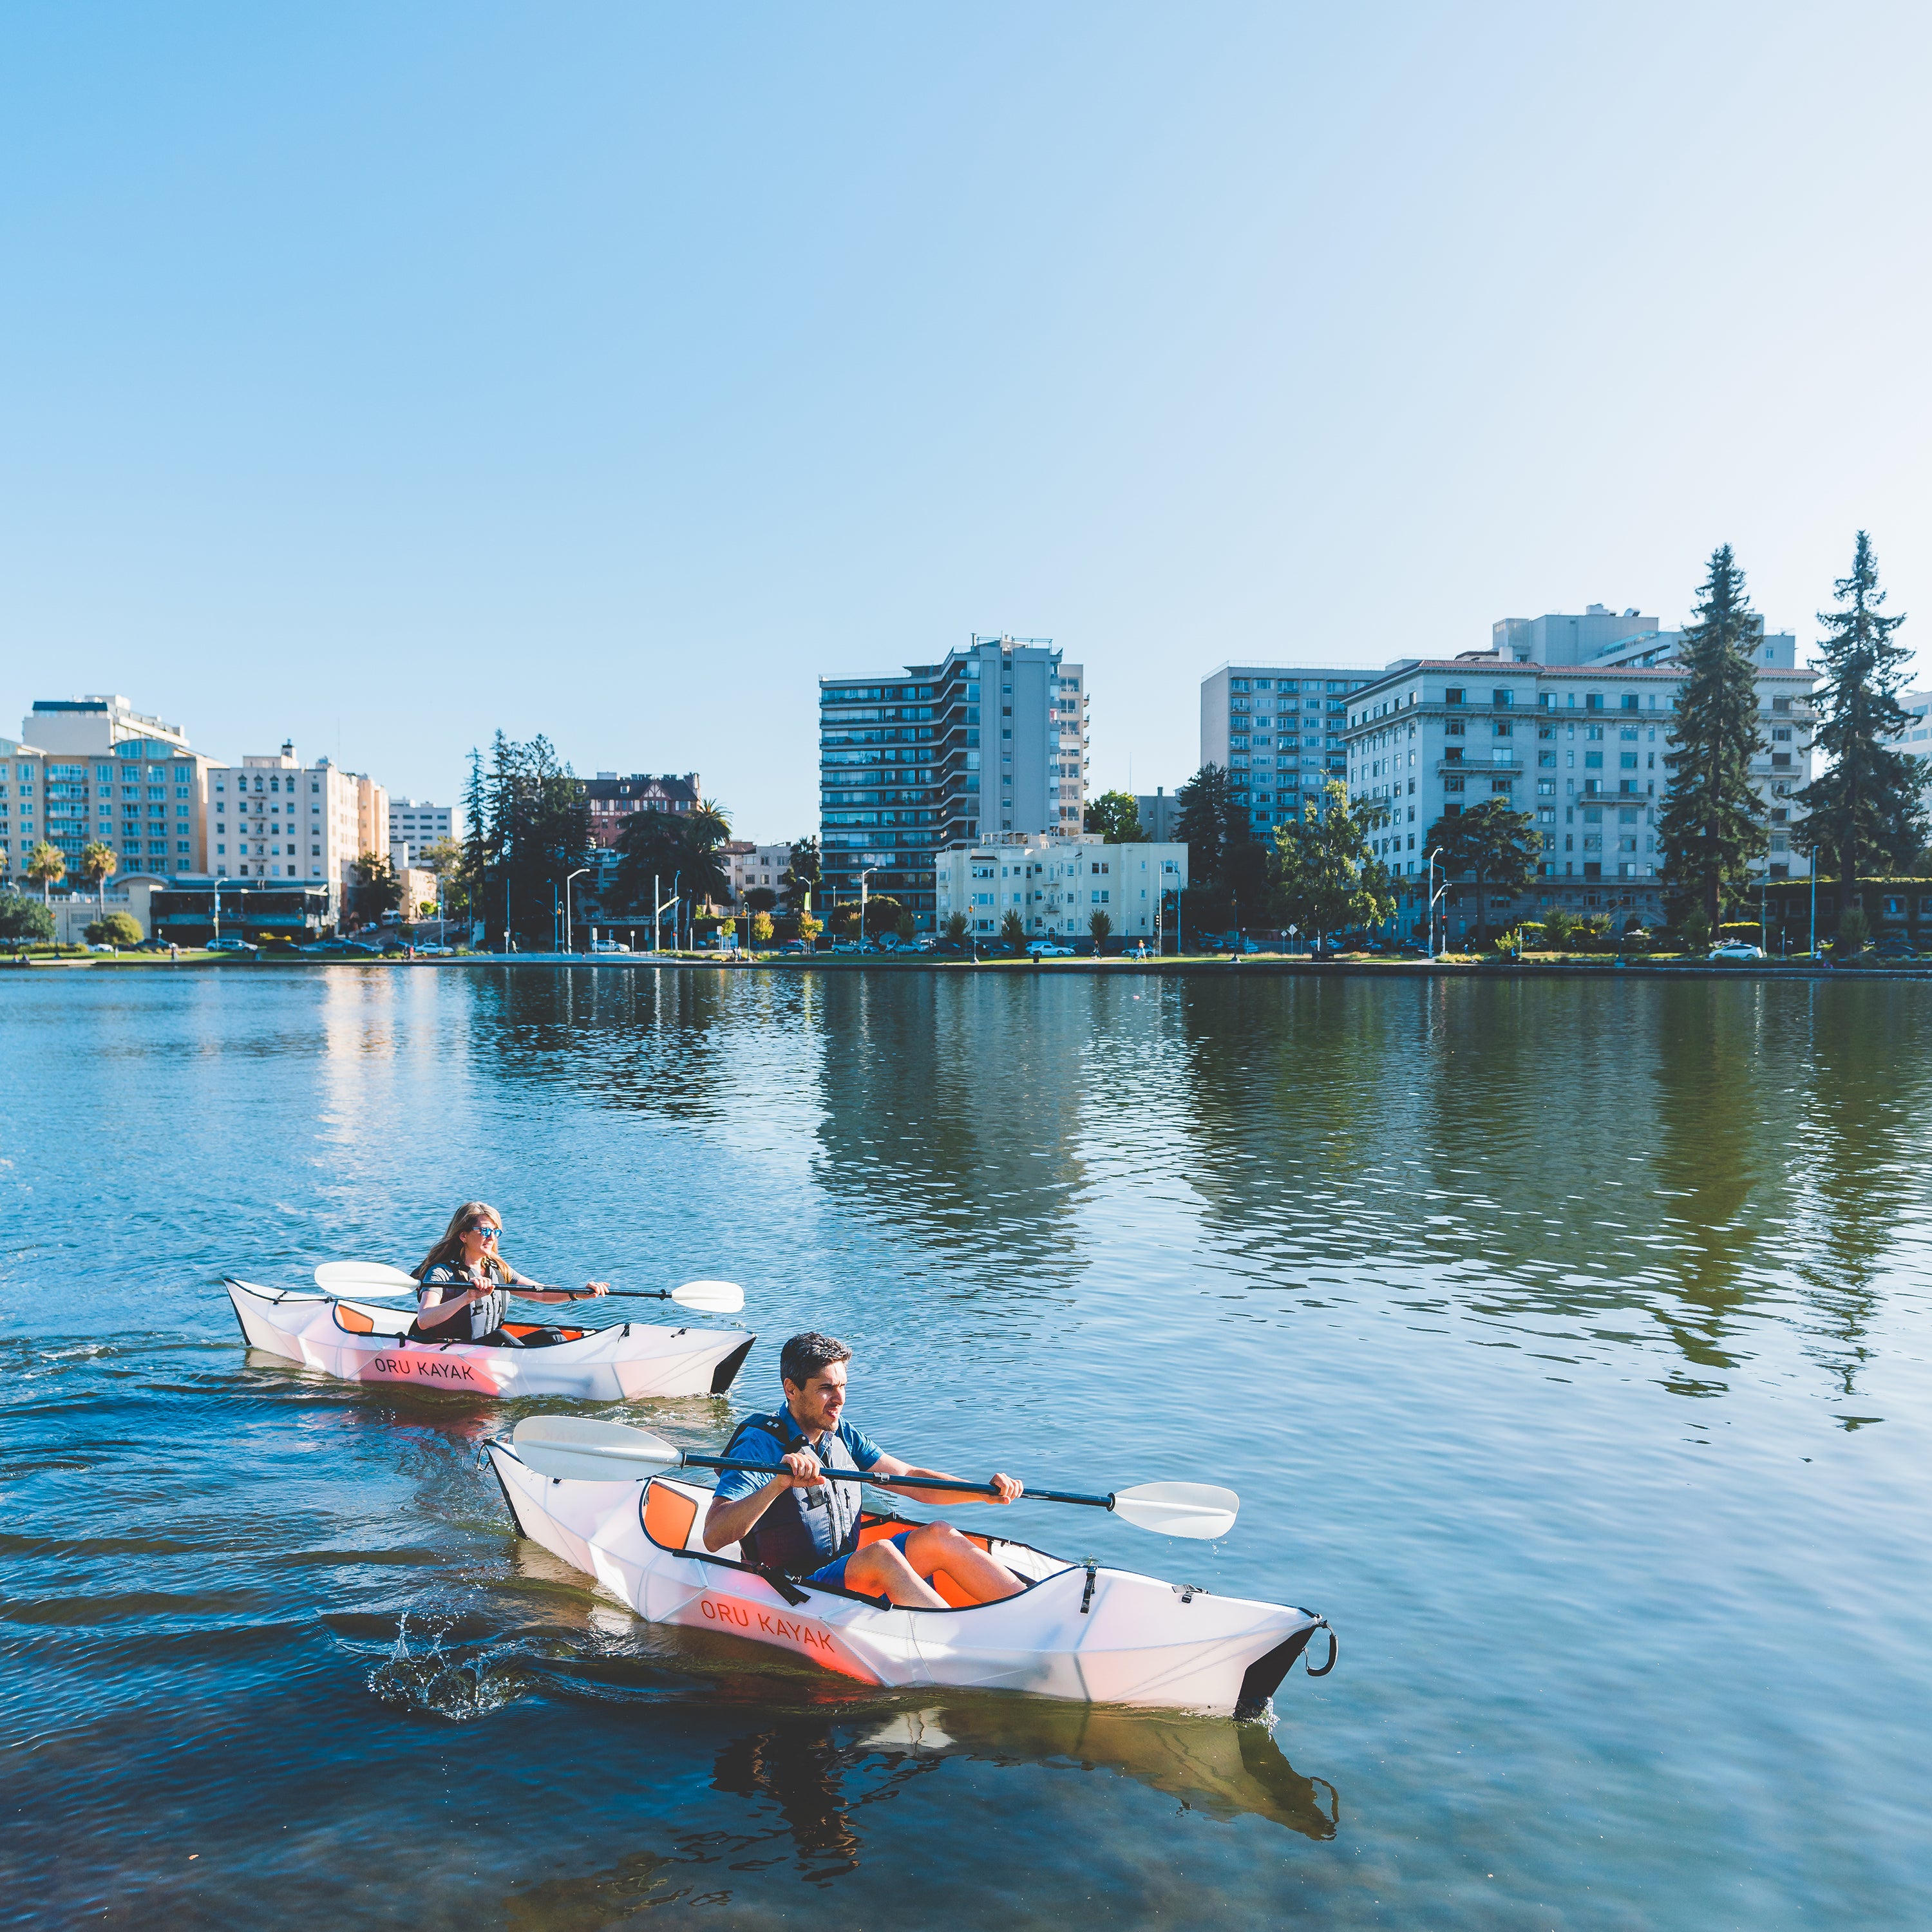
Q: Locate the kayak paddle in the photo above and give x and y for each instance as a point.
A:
(584, 1450)
(376, 1281)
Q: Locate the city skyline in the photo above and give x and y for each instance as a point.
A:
(778, 346)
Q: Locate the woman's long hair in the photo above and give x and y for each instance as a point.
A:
(448, 1253)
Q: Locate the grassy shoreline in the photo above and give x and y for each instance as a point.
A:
(1452, 967)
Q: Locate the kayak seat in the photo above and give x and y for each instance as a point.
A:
(523, 1330)
(354, 1319)
(669, 1518)
(872, 1528)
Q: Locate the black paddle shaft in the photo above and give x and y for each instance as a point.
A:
(902, 1482)
(609, 1295)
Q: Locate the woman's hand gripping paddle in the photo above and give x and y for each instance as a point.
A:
(376, 1281)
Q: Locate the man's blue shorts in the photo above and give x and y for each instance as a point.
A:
(833, 1574)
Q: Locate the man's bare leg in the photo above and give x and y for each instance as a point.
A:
(880, 1569)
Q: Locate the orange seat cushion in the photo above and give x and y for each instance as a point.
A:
(872, 1529)
(668, 1517)
(354, 1320)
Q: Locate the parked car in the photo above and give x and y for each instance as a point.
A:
(1894, 946)
(230, 945)
(339, 948)
(1737, 949)
(596, 946)
(1048, 949)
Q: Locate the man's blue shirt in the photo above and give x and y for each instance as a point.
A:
(761, 1446)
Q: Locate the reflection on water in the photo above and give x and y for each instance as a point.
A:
(1430, 1274)
(806, 1786)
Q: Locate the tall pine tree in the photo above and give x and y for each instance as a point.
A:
(1863, 815)
(1711, 826)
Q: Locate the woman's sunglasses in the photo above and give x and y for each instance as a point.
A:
(484, 1229)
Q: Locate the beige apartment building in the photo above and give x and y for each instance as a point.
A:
(272, 817)
(748, 865)
(1056, 882)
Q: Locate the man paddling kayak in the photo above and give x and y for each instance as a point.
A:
(464, 1277)
(792, 1521)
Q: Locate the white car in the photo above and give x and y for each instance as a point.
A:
(1047, 949)
(1737, 949)
(597, 946)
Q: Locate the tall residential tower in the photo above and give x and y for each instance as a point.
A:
(991, 738)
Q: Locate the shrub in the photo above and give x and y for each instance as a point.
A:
(1854, 932)
(1559, 926)
(1694, 929)
(118, 928)
(761, 933)
(24, 922)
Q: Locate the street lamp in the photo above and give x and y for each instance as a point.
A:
(1435, 893)
(863, 876)
(567, 877)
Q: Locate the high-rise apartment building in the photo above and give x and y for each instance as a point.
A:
(1278, 730)
(991, 738)
(1585, 746)
(93, 768)
(271, 817)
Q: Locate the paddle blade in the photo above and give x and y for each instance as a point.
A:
(364, 1278)
(714, 1297)
(588, 1451)
(1199, 1510)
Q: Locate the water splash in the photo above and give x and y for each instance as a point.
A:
(459, 1683)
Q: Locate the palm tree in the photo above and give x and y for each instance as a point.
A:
(45, 864)
(1012, 932)
(1100, 925)
(98, 862)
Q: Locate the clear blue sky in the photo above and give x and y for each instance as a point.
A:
(381, 375)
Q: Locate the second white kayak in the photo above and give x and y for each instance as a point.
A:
(364, 1342)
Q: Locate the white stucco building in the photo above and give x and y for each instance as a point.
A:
(1057, 883)
(1585, 747)
(748, 865)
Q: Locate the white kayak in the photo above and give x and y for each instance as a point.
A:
(363, 1342)
(1079, 1631)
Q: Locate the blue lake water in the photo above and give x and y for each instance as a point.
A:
(1567, 1342)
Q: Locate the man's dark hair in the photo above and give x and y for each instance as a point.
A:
(804, 1355)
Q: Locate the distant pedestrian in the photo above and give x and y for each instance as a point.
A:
(174, 952)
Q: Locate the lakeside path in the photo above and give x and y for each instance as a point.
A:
(1188, 965)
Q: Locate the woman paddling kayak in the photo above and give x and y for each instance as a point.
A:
(463, 1278)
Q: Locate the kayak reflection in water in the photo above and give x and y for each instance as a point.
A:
(463, 1278)
(794, 1522)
